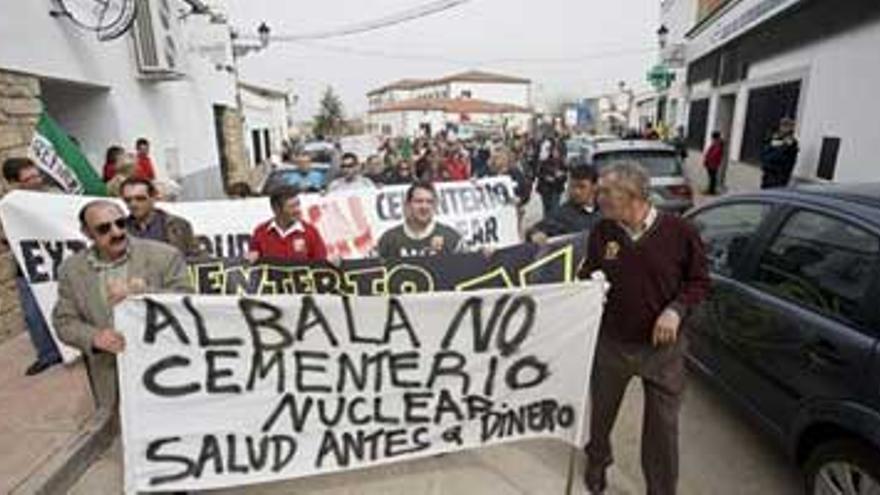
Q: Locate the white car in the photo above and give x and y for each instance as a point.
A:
(670, 189)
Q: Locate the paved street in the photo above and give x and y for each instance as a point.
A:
(38, 414)
(722, 452)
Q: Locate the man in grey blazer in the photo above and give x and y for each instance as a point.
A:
(92, 281)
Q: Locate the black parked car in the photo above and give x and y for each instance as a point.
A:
(792, 324)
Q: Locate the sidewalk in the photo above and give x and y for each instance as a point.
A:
(38, 414)
(740, 177)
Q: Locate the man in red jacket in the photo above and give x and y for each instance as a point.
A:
(144, 169)
(657, 270)
(286, 237)
(712, 159)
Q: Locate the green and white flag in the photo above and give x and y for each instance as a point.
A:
(60, 159)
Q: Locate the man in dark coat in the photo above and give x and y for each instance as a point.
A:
(578, 214)
(779, 156)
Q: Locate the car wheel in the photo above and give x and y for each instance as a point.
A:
(843, 467)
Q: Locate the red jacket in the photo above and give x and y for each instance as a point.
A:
(714, 155)
(457, 169)
(144, 168)
(302, 243)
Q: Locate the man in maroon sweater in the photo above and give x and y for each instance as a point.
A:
(657, 270)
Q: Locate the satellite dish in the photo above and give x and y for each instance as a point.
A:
(110, 19)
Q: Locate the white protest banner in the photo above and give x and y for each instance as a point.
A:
(220, 391)
(43, 229)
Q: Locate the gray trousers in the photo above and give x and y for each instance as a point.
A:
(663, 378)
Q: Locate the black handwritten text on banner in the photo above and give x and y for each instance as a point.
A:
(220, 391)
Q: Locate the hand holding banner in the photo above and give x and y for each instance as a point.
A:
(221, 391)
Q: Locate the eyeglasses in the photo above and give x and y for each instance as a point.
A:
(136, 199)
(103, 229)
(348, 165)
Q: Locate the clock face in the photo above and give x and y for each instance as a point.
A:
(110, 19)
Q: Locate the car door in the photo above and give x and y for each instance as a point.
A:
(729, 231)
(799, 327)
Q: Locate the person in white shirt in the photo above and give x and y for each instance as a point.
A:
(352, 178)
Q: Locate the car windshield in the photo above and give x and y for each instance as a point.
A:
(658, 163)
(295, 178)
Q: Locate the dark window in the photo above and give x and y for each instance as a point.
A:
(220, 116)
(267, 143)
(767, 106)
(822, 263)
(731, 67)
(697, 120)
(256, 142)
(703, 69)
(727, 231)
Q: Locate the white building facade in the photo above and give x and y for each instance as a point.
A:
(459, 103)
(265, 111)
(170, 84)
(752, 62)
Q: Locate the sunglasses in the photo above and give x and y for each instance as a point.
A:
(103, 229)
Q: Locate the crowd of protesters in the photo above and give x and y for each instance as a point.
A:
(140, 248)
(527, 160)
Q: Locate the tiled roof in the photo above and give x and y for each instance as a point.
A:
(468, 76)
(401, 84)
(450, 105)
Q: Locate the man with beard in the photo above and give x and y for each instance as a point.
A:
(420, 234)
(94, 280)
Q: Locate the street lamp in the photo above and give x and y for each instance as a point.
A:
(662, 36)
(263, 33)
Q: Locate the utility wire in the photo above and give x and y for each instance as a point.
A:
(430, 57)
(371, 25)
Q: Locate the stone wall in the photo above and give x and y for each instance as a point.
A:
(233, 152)
(19, 110)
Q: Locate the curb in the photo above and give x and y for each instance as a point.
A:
(63, 468)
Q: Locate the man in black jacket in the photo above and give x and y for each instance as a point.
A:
(779, 155)
(578, 214)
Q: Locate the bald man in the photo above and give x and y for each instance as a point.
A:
(91, 282)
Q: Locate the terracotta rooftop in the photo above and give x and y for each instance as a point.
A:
(450, 105)
(468, 76)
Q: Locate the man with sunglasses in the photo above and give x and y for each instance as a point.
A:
(94, 280)
(352, 178)
(148, 222)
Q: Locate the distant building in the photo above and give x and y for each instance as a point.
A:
(748, 63)
(265, 112)
(459, 103)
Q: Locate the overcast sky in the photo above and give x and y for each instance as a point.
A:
(568, 48)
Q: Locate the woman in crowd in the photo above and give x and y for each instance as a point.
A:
(111, 162)
(125, 168)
